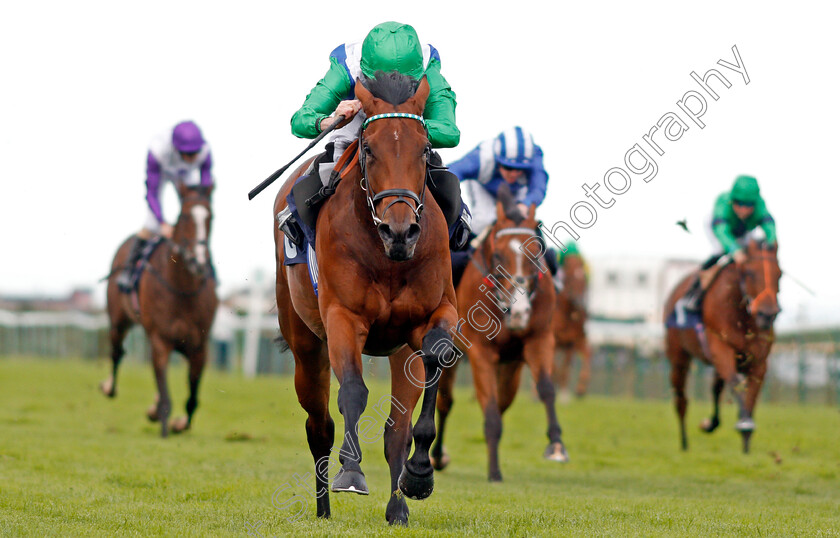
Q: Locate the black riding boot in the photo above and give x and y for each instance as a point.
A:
(446, 189)
(124, 280)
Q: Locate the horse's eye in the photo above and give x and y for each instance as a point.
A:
(367, 150)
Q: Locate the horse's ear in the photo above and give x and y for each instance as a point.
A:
(363, 95)
(500, 211)
(182, 190)
(532, 212)
(418, 100)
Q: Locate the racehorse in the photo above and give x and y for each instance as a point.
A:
(384, 288)
(175, 303)
(570, 326)
(502, 283)
(738, 313)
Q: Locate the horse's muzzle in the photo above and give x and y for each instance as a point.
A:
(399, 239)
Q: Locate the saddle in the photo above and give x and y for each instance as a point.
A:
(142, 261)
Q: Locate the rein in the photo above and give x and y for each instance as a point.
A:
(402, 195)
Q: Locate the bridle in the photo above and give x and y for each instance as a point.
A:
(492, 278)
(402, 195)
(186, 249)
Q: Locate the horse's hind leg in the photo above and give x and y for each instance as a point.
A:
(680, 363)
(403, 399)
(117, 333)
(197, 360)
(312, 384)
(445, 399)
(538, 353)
(561, 372)
(585, 368)
(710, 424)
(160, 360)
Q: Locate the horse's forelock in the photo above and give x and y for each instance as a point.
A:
(392, 87)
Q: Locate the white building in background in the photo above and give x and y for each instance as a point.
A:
(627, 296)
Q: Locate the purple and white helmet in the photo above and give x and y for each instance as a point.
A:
(186, 137)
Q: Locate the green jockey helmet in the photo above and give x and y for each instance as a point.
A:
(392, 46)
(745, 191)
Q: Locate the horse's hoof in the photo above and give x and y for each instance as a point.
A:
(152, 414)
(107, 387)
(179, 425)
(416, 487)
(397, 511)
(556, 452)
(745, 425)
(441, 464)
(350, 481)
(709, 425)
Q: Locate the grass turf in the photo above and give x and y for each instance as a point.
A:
(73, 463)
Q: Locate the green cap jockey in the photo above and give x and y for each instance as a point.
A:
(388, 46)
(740, 211)
(571, 250)
(392, 46)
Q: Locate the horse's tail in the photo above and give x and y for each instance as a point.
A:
(281, 342)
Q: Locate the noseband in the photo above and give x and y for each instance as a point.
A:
(402, 195)
(492, 277)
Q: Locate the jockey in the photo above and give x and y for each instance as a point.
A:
(739, 216)
(180, 155)
(390, 46)
(512, 157)
(562, 255)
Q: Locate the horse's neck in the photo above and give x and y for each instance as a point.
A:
(175, 265)
(727, 286)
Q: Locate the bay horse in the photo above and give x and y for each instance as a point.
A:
(175, 303)
(570, 326)
(738, 312)
(503, 283)
(384, 288)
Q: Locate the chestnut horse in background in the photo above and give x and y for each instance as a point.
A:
(175, 303)
(503, 283)
(570, 327)
(738, 312)
(384, 288)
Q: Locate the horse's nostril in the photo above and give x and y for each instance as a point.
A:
(413, 233)
(385, 232)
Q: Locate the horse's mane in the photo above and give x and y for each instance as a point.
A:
(393, 87)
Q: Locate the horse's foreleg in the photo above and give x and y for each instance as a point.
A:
(403, 399)
(710, 424)
(483, 360)
(417, 478)
(725, 360)
(538, 353)
(755, 378)
(160, 359)
(445, 400)
(346, 336)
(197, 361)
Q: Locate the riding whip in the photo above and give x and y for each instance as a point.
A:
(270, 179)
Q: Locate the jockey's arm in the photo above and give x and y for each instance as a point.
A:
(766, 221)
(153, 176)
(440, 109)
(537, 182)
(321, 102)
(207, 171)
(468, 166)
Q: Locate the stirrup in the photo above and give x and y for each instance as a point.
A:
(461, 231)
(289, 226)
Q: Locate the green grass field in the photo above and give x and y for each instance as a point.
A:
(73, 463)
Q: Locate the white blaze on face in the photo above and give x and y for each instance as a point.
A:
(200, 215)
(520, 310)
